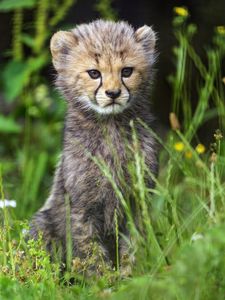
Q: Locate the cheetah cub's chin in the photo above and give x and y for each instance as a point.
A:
(109, 108)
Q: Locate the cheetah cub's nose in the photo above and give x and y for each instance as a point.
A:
(113, 94)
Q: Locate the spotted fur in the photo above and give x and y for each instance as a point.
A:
(99, 126)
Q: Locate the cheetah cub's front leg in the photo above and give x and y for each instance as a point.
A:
(90, 255)
(127, 258)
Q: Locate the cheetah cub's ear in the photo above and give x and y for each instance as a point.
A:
(146, 36)
(60, 45)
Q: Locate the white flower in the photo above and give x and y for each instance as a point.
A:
(24, 231)
(7, 203)
(196, 236)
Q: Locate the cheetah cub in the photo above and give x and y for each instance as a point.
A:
(104, 71)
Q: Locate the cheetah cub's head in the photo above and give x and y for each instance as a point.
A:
(104, 66)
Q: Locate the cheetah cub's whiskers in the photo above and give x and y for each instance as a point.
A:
(104, 71)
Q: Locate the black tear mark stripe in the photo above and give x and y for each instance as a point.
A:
(96, 91)
(126, 87)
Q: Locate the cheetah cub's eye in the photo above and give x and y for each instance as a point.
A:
(126, 72)
(94, 74)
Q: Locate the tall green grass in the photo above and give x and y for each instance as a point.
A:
(177, 236)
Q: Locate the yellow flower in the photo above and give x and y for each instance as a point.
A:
(179, 146)
(220, 29)
(181, 11)
(223, 79)
(200, 148)
(188, 154)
